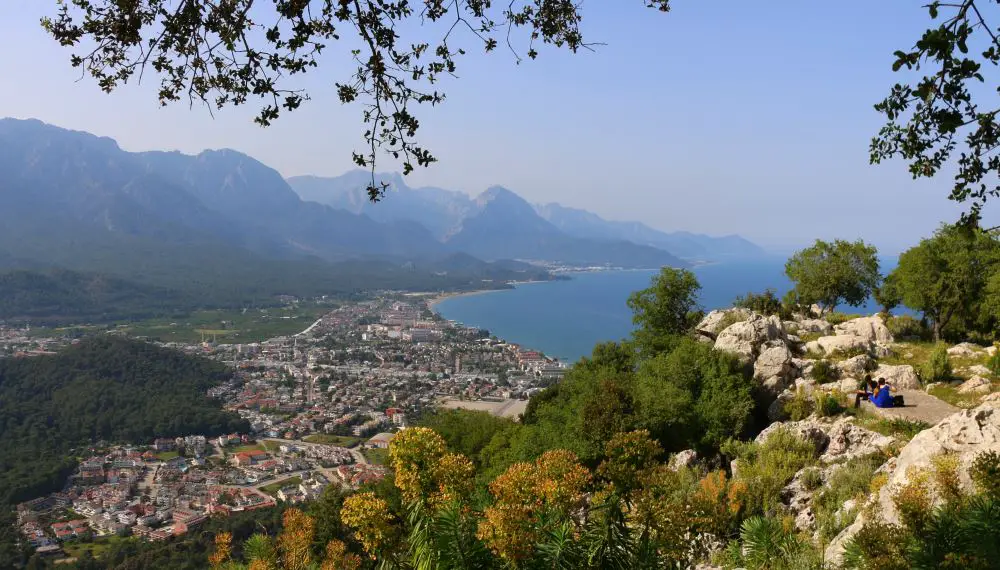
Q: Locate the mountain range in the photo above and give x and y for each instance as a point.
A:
(452, 216)
(221, 226)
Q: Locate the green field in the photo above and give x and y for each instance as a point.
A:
(376, 456)
(273, 488)
(97, 546)
(248, 447)
(166, 455)
(328, 439)
(254, 325)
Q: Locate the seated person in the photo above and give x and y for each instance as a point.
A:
(883, 395)
(865, 390)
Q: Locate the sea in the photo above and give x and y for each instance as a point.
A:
(565, 319)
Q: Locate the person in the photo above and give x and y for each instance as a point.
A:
(865, 391)
(883, 395)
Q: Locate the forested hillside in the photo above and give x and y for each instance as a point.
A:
(104, 388)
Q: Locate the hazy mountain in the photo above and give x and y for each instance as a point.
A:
(584, 224)
(437, 209)
(504, 225)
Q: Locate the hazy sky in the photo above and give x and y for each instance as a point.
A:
(719, 117)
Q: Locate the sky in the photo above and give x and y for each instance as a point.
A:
(719, 117)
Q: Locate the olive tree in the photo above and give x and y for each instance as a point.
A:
(828, 274)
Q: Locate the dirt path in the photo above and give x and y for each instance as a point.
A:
(920, 406)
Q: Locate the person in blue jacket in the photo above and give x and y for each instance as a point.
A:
(883, 396)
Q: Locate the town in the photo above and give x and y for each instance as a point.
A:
(322, 404)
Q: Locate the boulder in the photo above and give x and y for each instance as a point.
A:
(975, 385)
(871, 329)
(856, 366)
(846, 384)
(745, 338)
(791, 326)
(991, 350)
(774, 361)
(713, 321)
(966, 434)
(803, 365)
(847, 440)
(964, 349)
(811, 430)
(839, 343)
(776, 411)
(932, 385)
(686, 458)
(979, 370)
(798, 500)
(820, 326)
(900, 377)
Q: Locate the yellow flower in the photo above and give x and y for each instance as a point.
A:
(338, 558)
(370, 518)
(295, 540)
(223, 549)
(414, 454)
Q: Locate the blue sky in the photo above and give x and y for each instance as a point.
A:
(719, 117)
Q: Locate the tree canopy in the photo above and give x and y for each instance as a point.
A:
(238, 51)
(828, 274)
(946, 275)
(668, 307)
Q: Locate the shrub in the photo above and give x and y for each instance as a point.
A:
(799, 407)
(729, 319)
(985, 473)
(914, 501)
(769, 545)
(767, 467)
(837, 318)
(945, 476)
(852, 480)
(824, 372)
(938, 366)
(877, 545)
(905, 327)
(811, 479)
(827, 405)
(851, 352)
(994, 363)
(766, 303)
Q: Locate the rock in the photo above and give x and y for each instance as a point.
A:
(776, 411)
(840, 343)
(686, 458)
(793, 339)
(820, 326)
(856, 366)
(931, 386)
(991, 350)
(847, 384)
(871, 329)
(964, 349)
(790, 326)
(994, 397)
(798, 499)
(979, 370)
(774, 361)
(810, 430)
(975, 385)
(965, 434)
(900, 377)
(744, 339)
(714, 320)
(806, 384)
(847, 440)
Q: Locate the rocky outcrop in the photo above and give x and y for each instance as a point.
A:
(681, 459)
(775, 362)
(840, 343)
(900, 377)
(974, 385)
(856, 366)
(979, 370)
(847, 440)
(871, 329)
(965, 434)
(820, 326)
(745, 338)
(713, 321)
(964, 349)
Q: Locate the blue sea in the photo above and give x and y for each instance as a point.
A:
(565, 319)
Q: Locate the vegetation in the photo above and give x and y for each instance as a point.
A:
(767, 467)
(273, 488)
(667, 308)
(905, 327)
(329, 439)
(851, 480)
(823, 371)
(829, 274)
(964, 532)
(938, 366)
(766, 303)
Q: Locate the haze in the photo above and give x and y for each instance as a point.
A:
(720, 117)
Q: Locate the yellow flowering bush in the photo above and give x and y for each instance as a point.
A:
(338, 558)
(627, 455)
(371, 520)
(295, 540)
(223, 549)
(414, 454)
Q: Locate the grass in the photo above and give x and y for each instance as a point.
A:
(900, 428)
(376, 456)
(329, 439)
(248, 447)
(228, 326)
(271, 446)
(166, 455)
(917, 354)
(951, 395)
(273, 488)
(96, 547)
(836, 318)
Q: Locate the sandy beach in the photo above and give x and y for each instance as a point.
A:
(432, 303)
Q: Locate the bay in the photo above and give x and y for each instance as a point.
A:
(565, 319)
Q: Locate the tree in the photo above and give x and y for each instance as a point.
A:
(945, 275)
(222, 54)
(668, 307)
(828, 274)
(887, 295)
(937, 116)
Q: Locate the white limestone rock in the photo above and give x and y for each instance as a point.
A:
(974, 385)
(713, 321)
(900, 376)
(828, 345)
(744, 339)
(820, 326)
(870, 328)
(964, 349)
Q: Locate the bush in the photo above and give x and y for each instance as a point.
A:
(852, 480)
(767, 467)
(938, 366)
(914, 501)
(766, 303)
(877, 545)
(729, 319)
(985, 473)
(824, 372)
(994, 363)
(827, 405)
(811, 479)
(837, 318)
(908, 328)
(799, 407)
